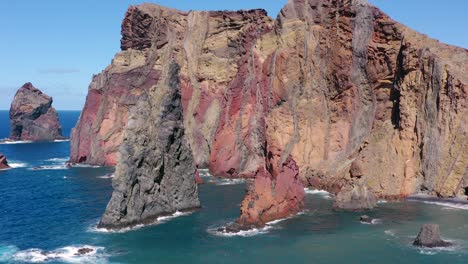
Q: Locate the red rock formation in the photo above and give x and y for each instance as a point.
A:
(32, 116)
(3, 162)
(334, 86)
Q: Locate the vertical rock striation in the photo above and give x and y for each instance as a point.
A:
(155, 175)
(32, 116)
(340, 94)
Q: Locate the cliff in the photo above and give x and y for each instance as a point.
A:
(333, 93)
(155, 175)
(32, 116)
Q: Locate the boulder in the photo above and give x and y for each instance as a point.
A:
(365, 219)
(355, 197)
(84, 251)
(429, 236)
(32, 116)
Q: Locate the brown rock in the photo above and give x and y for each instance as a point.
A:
(337, 87)
(3, 162)
(355, 198)
(32, 116)
(429, 236)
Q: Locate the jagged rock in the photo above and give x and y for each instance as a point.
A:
(429, 236)
(355, 197)
(3, 162)
(32, 116)
(336, 85)
(365, 219)
(84, 251)
(155, 175)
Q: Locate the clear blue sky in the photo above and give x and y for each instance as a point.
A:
(58, 45)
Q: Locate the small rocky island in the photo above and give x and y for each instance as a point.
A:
(32, 116)
(3, 162)
(429, 236)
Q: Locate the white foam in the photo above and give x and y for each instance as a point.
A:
(158, 221)
(436, 250)
(107, 176)
(254, 231)
(56, 167)
(16, 142)
(390, 232)
(16, 165)
(62, 140)
(455, 205)
(80, 165)
(67, 254)
(221, 182)
(382, 201)
(374, 221)
(322, 193)
(58, 160)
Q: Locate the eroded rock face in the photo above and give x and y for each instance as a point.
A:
(355, 197)
(429, 236)
(3, 162)
(337, 87)
(155, 175)
(32, 116)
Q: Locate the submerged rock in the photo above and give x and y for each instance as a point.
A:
(365, 219)
(429, 236)
(3, 162)
(32, 116)
(355, 197)
(84, 251)
(155, 175)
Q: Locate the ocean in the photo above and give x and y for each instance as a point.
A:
(47, 214)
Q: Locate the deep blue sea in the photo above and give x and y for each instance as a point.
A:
(47, 214)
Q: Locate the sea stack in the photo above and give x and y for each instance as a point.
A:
(429, 236)
(156, 172)
(32, 116)
(3, 162)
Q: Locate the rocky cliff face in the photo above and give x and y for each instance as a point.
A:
(340, 93)
(32, 116)
(155, 175)
(3, 162)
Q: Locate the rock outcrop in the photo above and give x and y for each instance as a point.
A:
(3, 162)
(155, 175)
(355, 197)
(335, 87)
(429, 236)
(32, 116)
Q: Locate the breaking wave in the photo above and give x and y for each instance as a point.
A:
(455, 204)
(158, 221)
(15, 142)
(221, 182)
(322, 193)
(16, 164)
(69, 254)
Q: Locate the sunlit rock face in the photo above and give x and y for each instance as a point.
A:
(32, 117)
(335, 87)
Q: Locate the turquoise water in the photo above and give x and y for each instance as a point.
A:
(46, 215)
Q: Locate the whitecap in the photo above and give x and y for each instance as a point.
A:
(16, 165)
(80, 165)
(445, 203)
(62, 140)
(158, 221)
(69, 254)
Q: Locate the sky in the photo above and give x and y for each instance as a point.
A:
(58, 45)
